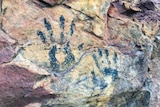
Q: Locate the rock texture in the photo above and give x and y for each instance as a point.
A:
(79, 53)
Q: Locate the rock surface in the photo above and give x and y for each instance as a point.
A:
(79, 53)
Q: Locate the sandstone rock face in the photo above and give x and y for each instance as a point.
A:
(79, 53)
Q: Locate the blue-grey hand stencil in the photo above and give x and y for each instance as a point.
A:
(69, 60)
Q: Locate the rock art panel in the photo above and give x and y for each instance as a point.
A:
(79, 53)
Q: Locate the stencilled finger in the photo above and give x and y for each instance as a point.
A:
(72, 27)
(62, 22)
(49, 29)
(42, 36)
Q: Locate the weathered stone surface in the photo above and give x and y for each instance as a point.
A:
(17, 87)
(7, 48)
(79, 53)
(131, 99)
